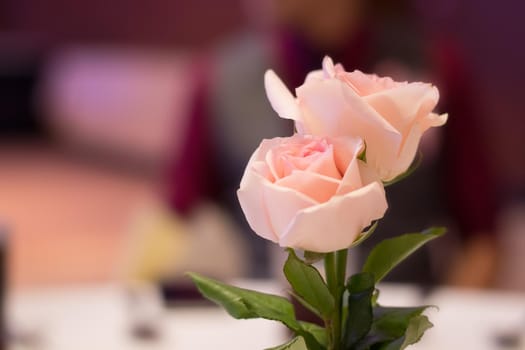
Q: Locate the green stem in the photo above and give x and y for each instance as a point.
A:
(340, 266)
(341, 257)
(330, 272)
(335, 269)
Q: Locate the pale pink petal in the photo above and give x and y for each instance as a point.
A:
(264, 147)
(328, 67)
(274, 165)
(381, 139)
(366, 84)
(251, 199)
(432, 97)
(403, 105)
(346, 151)
(301, 163)
(384, 164)
(408, 152)
(407, 108)
(282, 204)
(329, 71)
(325, 164)
(335, 224)
(339, 69)
(281, 99)
(262, 169)
(318, 187)
(332, 108)
(263, 151)
(411, 141)
(432, 120)
(299, 127)
(322, 106)
(351, 179)
(368, 173)
(314, 75)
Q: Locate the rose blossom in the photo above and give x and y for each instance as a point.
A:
(390, 116)
(310, 192)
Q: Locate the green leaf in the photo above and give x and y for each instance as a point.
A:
(296, 343)
(373, 340)
(390, 252)
(394, 321)
(305, 304)
(245, 304)
(364, 235)
(390, 327)
(312, 257)
(317, 332)
(390, 345)
(359, 317)
(308, 283)
(417, 326)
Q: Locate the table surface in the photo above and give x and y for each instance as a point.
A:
(100, 317)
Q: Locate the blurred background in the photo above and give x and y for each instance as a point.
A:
(125, 127)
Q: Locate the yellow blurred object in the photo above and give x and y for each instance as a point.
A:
(158, 244)
(163, 245)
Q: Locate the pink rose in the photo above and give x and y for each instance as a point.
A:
(390, 116)
(310, 192)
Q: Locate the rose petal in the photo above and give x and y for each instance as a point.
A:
(301, 153)
(262, 169)
(404, 105)
(324, 164)
(351, 180)
(315, 75)
(411, 141)
(282, 204)
(323, 107)
(263, 151)
(432, 120)
(274, 165)
(328, 67)
(346, 151)
(382, 140)
(281, 99)
(335, 224)
(366, 84)
(251, 199)
(409, 150)
(368, 173)
(316, 186)
(408, 108)
(264, 147)
(332, 107)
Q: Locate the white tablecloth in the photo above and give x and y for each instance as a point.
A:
(100, 317)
